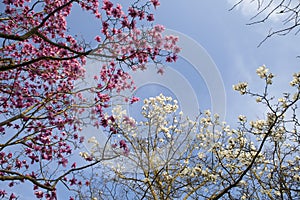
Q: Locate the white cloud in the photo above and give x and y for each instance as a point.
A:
(250, 8)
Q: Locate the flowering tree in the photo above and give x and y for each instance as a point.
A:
(286, 11)
(41, 64)
(168, 156)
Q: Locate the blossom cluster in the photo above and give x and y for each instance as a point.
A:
(241, 87)
(262, 72)
(296, 80)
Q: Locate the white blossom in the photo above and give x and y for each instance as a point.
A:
(242, 118)
(262, 71)
(85, 155)
(296, 79)
(258, 99)
(241, 87)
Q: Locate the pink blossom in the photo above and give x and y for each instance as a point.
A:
(98, 38)
(73, 181)
(150, 17)
(122, 144)
(63, 162)
(12, 196)
(155, 3)
(160, 71)
(73, 165)
(2, 193)
(39, 194)
(134, 99)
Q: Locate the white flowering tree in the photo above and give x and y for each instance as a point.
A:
(166, 155)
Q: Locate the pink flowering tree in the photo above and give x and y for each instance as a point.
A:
(40, 66)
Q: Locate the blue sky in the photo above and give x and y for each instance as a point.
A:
(231, 45)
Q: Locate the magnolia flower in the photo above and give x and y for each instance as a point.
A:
(262, 71)
(296, 79)
(242, 118)
(258, 99)
(241, 87)
(85, 155)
